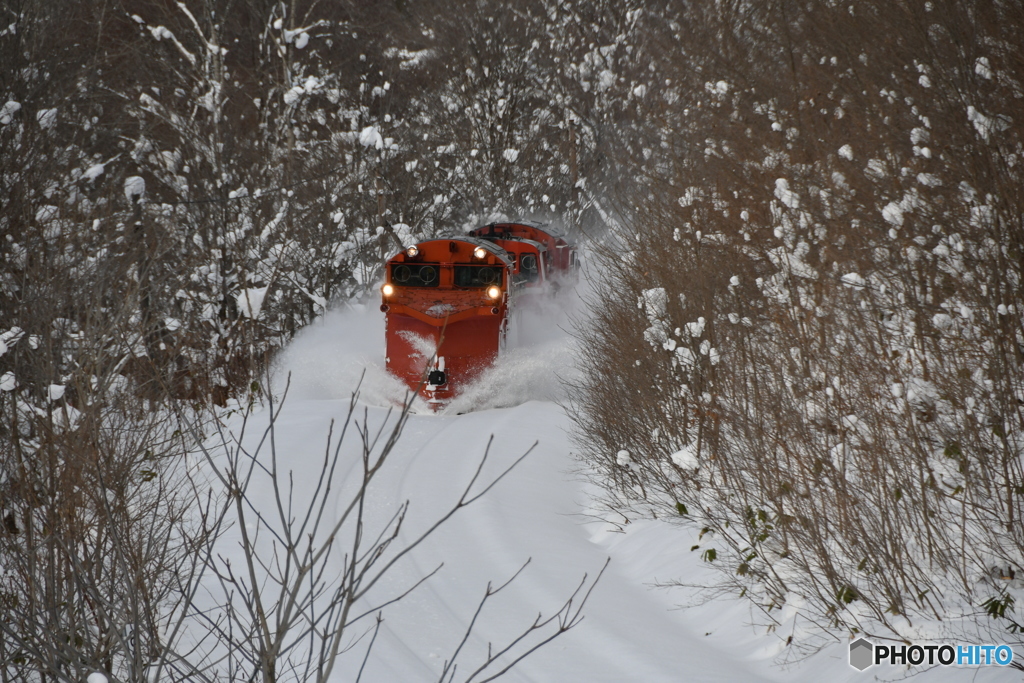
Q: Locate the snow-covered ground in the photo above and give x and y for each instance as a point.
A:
(631, 631)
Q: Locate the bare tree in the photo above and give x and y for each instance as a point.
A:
(807, 304)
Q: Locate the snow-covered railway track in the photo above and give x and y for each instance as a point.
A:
(628, 634)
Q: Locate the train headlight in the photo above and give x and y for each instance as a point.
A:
(387, 290)
(412, 251)
(494, 292)
(479, 252)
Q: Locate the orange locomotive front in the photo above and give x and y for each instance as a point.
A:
(447, 304)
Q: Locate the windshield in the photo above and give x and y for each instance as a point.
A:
(414, 274)
(477, 276)
(528, 267)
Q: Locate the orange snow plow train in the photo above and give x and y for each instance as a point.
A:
(547, 256)
(448, 301)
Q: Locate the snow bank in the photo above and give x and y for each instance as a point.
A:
(327, 359)
(539, 357)
(541, 512)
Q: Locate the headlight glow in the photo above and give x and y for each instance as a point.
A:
(479, 252)
(387, 290)
(494, 292)
(412, 251)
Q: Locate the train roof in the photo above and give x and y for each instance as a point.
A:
(468, 239)
(525, 240)
(477, 241)
(546, 227)
(540, 227)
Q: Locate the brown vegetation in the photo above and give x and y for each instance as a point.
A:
(848, 407)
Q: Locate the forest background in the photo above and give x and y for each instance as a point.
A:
(806, 217)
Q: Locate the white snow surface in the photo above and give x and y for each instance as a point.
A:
(987, 125)
(686, 458)
(371, 137)
(983, 68)
(47, 118)
(134, 187)
(785, 195)
(250, 301)
(8, 382)
(8, 110)
(95, 171)
(46, 213)
(893, 214)
(541, 512)
(853, 280)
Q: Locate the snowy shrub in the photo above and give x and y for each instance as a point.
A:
(854, 456)
(184, 188)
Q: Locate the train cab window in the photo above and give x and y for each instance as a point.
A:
(477, 276)
(414, 274)
(528, 267)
